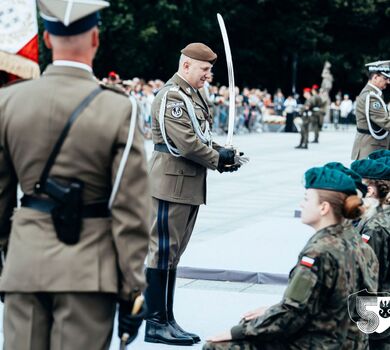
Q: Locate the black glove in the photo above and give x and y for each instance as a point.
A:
(226, 157)
(128, 323)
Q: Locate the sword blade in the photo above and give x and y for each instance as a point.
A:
(232, 93)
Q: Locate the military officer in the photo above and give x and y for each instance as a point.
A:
(183, 151)
(372, 116)
(305, 116)
(313, 313)
(70, 259)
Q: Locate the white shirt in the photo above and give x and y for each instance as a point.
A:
(73, 64)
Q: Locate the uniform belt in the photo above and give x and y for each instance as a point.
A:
(363, 131)
(94, 210)
(161, 147)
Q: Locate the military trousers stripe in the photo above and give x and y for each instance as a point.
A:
(163, 234)
(172, 226)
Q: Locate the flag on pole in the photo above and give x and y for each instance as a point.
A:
(19, 38)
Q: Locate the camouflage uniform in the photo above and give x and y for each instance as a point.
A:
(313, 313)
(377, 231)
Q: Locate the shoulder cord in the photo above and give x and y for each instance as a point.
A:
(126, 152)
(205, 136)
(370, 128)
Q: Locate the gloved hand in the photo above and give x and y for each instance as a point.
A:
(226, 157)
(128, 323)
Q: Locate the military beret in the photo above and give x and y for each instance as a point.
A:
(200, 52)
(371, 169)
(70, 17)
(382, 67)
(380, 153)
(323, 178)
(384, 160)
(349, 172)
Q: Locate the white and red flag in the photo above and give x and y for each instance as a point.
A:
(19, 38)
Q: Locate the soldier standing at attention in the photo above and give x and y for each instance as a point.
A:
(372, 116)
(70, 259)
(375, 230)
(313, 313)
(183, 151)
(315, 104)
(305, 116)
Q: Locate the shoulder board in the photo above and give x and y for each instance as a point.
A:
(307, 261)
(113, 89)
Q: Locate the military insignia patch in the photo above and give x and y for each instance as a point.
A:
(177, 112)
(175, 104)
(306, 261)
(365, 238)
(376, 105)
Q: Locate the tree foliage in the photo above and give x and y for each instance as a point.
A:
(144, 38)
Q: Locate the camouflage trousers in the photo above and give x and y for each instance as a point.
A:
(244, 345)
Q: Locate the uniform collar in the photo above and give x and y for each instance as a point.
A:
(74, 64)
(68, 70)
(184, 84)
(376, 89)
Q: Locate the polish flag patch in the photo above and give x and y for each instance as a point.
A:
(365, 238)
(306, 261)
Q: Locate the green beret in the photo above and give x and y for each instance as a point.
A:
(349, 172)
(371, 169)
(324, 178)
(384, 160)
(380, 153)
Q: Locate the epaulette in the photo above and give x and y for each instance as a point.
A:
(114, 89)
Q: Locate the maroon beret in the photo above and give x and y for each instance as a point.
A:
(200, 52)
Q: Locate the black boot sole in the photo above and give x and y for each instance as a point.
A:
(161, 341)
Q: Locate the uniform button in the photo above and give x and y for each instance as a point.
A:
(181, 172)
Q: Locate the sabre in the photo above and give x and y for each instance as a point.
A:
(232, 94)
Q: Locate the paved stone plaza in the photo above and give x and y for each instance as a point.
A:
(247, 226)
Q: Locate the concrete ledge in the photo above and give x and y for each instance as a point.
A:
(231, 275)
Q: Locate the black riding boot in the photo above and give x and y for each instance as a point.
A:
(170, 298)
(158, 329)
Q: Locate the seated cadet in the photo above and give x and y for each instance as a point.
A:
(313, 313)
(376, 229)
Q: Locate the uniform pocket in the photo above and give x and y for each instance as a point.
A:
(178, 169)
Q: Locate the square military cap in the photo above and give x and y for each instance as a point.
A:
(382, 67)
(200, 52)
(70, 17)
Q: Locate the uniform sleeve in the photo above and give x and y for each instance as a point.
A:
(179, 129)
(378, 239)
(8, 191)
(131, 211)
(378, 114)
(301, 300)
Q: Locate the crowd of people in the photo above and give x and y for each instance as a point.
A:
(256, 110)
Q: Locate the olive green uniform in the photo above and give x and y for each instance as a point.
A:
(365, 143)
(315, 104)
(60, 296)
(313, 313)
(178, 184)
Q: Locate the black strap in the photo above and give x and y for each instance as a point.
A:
(161, 147)
(84, 103)
(94, 210)
(363, 131)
